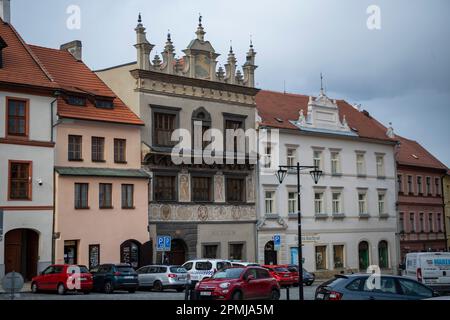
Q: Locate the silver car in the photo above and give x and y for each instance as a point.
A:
(163, 277)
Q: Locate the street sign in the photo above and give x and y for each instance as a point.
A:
(277, 242)
(163, 243)
(12, 283)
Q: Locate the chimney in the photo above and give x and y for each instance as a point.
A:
(74, 47)
(5, 10)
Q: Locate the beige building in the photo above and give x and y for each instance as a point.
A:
(446, 185)
(208, 209)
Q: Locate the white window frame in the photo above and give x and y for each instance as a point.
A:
(335, 157)
(380, 165)
(320, 202)
(271, 200)
(292, 201)
(318, 159)
(382, 203)
(361, 171)
(338, 201)
(291, 160)
(363, 202)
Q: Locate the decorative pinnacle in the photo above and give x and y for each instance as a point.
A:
(200, 19)
(139, 18)
(251, 42)
(169, 38)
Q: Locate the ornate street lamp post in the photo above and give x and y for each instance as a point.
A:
(315, 174)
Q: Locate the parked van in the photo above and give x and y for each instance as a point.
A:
(204, 268)
(429, 268)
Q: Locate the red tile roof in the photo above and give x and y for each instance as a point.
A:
(411, 153)
(52, 69)
(286, 106)
(75, 76)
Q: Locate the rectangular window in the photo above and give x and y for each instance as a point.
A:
(235, 190)
(338, 256)
(362, 203)
(20, 180)
(321, 258)
(380, 166)
(164, 125)
(17, 117)
(104, 104)
(75, 148)
(381, 203)
(236, 251)
(410, 186)
(201, 189)
(437, 184)
(165, 188)
(81, 195)
(292, 203)
(422, 223)
(430, 223)
(428, 181)
(419, 185)
(337, 203)
(412, 224)
(335, 163)
(318, 203)
(290, 157)
(120, 150)
(267, 156)
(402, 222)
(400, 183)
(270, 202)
(94, 255)
(317, 159)
(360, 164)
(98, 149)
(439, 224)
(210, 251)
(105, 196)
(127, 196)
(233, 125)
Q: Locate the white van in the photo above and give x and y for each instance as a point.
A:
(203, 268)
(429, 268)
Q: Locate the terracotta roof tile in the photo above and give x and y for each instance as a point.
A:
(413, 154)
(286, 106)
(75, 76)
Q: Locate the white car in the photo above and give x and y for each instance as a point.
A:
(204, 268)
(244, 264)
(429, 268)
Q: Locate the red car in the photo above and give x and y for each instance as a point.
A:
(239, 284)
(284, 277)
(63, 278)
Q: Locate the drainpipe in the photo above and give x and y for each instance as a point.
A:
(397, 234)
(52, 138)
(257, 196)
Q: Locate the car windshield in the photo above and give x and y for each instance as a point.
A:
(125, 269)
(83, 269)
(233, 273)
(178, 270)
(280, 269)
(292, 269)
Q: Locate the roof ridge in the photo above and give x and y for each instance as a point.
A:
(30, 52)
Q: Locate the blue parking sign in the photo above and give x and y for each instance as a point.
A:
(167, 243)
(277, 242)
(163, 243)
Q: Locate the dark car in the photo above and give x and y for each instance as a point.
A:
(308, 277)
(365, 287)
(110, 277)
(245, 283)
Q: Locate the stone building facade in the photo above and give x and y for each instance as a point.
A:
(207, 208)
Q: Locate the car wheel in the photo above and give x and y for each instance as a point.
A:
(61, 289)
(237, 295)
(275, 294)
(108, 288)
(157, 286)
(34, 287)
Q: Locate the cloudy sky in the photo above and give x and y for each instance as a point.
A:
(399, 73)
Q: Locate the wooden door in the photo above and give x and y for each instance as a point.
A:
(13, 251)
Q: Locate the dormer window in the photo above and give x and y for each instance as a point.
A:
(76, 101)
(104, 104)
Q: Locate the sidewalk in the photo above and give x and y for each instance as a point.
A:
(26, 288)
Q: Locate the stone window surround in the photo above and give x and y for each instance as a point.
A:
(339, 161)
(219, 248)
(167, 110)
(194, 174)
(165, 173)
(383, 164)
(363, 153)
(244, 248)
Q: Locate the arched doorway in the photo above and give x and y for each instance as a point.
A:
(363, 250)
(270, 255)
(21, 252)
(130, 253)
(383, 255)
(177, 255)
(146, 254)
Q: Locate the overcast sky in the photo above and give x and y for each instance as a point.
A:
(399, 73)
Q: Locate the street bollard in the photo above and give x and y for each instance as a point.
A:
(186, 293)
(287, 293)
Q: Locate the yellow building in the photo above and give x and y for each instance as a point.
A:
(446, 185)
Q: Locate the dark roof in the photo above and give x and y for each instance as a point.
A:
(102, 172)
(411, 153)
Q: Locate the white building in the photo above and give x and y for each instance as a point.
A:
(349, 217)
(26, 161)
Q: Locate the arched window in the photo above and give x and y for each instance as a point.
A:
(363, 253)
(383, 255)
(130, 253)
(201, 122)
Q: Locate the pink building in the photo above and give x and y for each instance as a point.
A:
(101, 193)
(420, 199)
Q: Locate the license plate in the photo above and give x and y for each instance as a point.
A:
(129, 277)
(182, 278)
(320, 296)
(83, 279)
(205, 293)
(286, 276)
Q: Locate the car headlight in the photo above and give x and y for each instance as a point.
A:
(225, 285)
